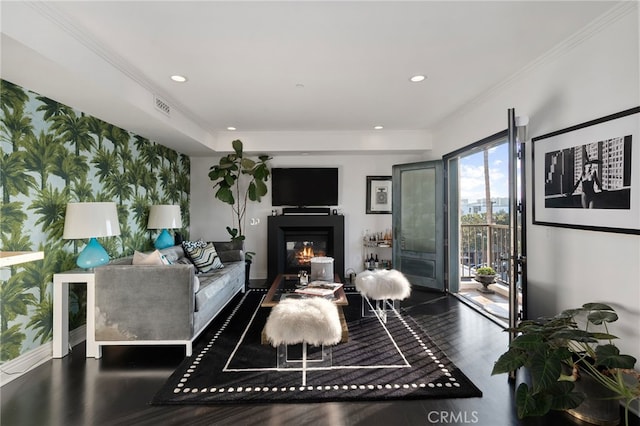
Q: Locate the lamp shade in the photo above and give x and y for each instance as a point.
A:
(88, 220)
(164, 216)
(91, 220)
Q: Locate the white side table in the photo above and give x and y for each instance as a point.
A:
(61, 311)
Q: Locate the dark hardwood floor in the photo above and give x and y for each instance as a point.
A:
(116, 389)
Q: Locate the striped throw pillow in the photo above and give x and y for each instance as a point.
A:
(203, 255)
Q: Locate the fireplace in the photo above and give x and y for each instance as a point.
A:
(302, 245)
(294, 239)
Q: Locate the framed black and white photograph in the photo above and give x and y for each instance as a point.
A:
(378, 194)
(586, 176)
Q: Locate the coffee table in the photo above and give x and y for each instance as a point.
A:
(284, 285)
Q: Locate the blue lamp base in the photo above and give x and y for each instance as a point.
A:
(93, 255)
(164, 240)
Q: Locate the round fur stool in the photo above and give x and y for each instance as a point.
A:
(314, 321)
(382, 286)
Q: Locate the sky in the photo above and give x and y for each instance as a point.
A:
(472, 174)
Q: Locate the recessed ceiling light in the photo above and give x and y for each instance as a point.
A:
(378, 127)
(231, 128)
(179, 78)
(417, 78)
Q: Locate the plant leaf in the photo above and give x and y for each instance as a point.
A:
(261, 172)
(604, 336)
(563, 396)
(545, 369)
(251, 191)
(598, 317)
(531, 404)
(237, 147)
(527, 342)
(577, 335)
(227, 162)
(225, 195)
(261, 189)
(247, 165)
(509, 361)
(214, 173)
(609, 356)
(562, 353)
(597, 307)
(569, 313)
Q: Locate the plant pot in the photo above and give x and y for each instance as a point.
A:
(247, 266)
(598, 408)
(485, 280)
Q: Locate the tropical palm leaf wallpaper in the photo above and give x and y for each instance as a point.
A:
(53, 154)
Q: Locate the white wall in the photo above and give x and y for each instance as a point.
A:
(593, 74)
(209, 217)
(596, 73)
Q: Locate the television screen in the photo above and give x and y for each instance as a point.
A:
(304, 187)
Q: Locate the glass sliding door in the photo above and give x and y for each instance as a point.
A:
(479, 228)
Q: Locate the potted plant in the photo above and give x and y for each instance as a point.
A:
(485, 275)
(560, 354)
(238, 179)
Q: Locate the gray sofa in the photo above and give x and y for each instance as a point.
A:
(162, 304)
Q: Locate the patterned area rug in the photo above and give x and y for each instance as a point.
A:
(396, 360)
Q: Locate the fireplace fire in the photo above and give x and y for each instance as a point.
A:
(301, 250)
(305, 254)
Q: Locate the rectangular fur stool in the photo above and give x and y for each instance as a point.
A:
(380, 289)
(310, 321)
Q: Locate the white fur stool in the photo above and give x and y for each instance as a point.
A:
(313, 321)
(382, 287)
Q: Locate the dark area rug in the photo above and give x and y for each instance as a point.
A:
(396, 360)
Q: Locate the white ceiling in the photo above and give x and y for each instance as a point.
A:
(268, 67)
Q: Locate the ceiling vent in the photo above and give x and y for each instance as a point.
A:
(162, 106)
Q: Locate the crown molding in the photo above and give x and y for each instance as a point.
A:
(57, 17)
(604, 21)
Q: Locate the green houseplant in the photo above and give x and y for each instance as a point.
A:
(485, 275)
(559, 352)
(238, 179)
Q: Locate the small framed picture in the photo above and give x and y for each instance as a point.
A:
(378, 194)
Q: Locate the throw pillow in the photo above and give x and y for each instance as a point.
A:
(154, 258)
(190, 245)
(165, 259)
(204, 257)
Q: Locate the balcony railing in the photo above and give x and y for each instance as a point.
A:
(484, 245)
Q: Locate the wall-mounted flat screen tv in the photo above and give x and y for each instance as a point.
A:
(304, 186)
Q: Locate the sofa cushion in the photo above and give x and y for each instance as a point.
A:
(203, 255)
(212, 283)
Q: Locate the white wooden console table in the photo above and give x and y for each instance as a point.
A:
(61, 311)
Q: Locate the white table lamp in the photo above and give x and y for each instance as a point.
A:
(164, 216)
(91, 220)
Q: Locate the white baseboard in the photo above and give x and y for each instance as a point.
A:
(29, 360)
(77, 335)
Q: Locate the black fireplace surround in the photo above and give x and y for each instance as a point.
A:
(281, 226)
